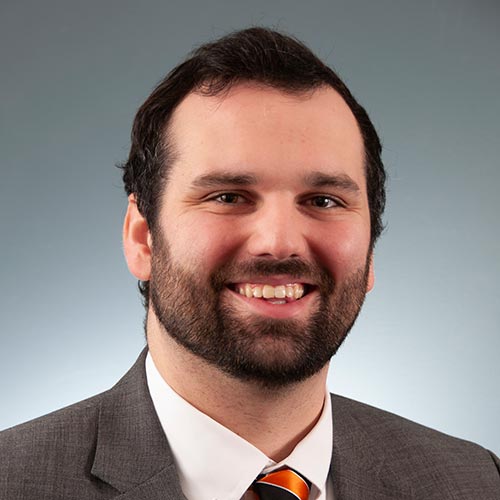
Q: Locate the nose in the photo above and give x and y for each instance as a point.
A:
(278, 232)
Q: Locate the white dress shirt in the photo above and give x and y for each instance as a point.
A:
(214, 463)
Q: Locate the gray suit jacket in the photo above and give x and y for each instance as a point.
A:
(112, 446)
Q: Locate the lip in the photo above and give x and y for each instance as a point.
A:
(288, 310)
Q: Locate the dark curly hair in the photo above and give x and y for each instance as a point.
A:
(255, 54)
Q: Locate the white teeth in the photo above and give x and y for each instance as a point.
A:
(298, 291)
(290, 291)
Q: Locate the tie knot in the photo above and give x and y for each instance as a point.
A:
(283, 484)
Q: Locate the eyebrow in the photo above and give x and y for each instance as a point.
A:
(342, 181)
(314, 180)
(224, 179)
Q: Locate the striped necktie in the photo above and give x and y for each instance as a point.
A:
(283, 484)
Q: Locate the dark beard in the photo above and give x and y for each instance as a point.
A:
(267, 351)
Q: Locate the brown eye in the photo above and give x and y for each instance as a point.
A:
(229, 198)
(323, 202)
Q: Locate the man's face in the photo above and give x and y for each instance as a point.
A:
(260, 257)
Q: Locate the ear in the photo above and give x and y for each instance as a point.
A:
(371, 275)
(137, 242)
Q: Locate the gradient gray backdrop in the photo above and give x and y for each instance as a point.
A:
(74, 73)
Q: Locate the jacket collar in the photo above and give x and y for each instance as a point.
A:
(132, 452)
(360, 467)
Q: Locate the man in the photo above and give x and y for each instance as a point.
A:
(256, 191)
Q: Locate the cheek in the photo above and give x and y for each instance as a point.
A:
(343, 250)
(208, 243)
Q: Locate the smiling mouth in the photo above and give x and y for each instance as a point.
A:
(275, 294)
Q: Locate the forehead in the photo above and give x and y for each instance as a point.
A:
(268, 132)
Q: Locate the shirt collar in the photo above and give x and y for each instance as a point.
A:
(213, 462)
(312, 456)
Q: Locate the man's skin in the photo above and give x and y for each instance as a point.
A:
(282, 140)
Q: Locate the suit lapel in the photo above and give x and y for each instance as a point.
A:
(132, 452)
(359, 467)
(161, 486)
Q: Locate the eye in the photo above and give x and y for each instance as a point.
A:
(229, 198)
(323, 201)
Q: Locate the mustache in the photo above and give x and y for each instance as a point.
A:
(294, 267)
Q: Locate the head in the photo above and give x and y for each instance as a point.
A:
(254, 55)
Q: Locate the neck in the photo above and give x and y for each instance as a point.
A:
(273, 420)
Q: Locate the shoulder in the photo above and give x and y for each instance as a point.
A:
(385, 428)
(38, 456)
(423, 456)
(57, 456)
(61, 426)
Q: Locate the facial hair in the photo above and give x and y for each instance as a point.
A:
(199, 315)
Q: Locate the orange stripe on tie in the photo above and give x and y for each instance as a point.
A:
(287, 479)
